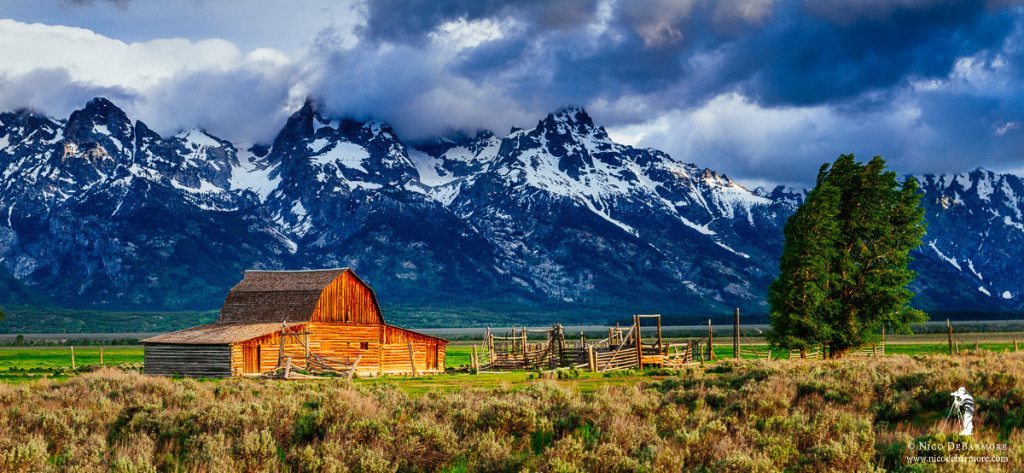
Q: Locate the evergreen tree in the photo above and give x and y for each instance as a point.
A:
(843, 273)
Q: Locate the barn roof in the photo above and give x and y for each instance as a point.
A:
(217, 334)
(260, 303)
(279, 296)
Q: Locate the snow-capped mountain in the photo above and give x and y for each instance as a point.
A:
(573, 215)
(975, 240)
(101, 211)
(98, 211)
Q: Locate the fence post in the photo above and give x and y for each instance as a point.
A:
(560, 333)
(956, 345)
(412, 359)
(949, 336)
(661, 345)
(639, 344)
(1014, 344)
(591, 358)
(736, 334)
(977, 346)
(101, 355)
(73, 358)
(474, 362)
(305, 346)
(711, 337)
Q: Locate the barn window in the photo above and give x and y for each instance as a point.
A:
(364, 345)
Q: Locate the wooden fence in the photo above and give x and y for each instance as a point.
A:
(623, 348)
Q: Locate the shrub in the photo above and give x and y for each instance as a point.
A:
(847, 415)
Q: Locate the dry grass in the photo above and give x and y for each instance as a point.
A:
(854, 415)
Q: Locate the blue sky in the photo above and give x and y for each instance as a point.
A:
(763, 90)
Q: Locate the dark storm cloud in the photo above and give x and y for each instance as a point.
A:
(409, 21)
(804, 59)
(120, 4)
(784, 53)
(632, 61)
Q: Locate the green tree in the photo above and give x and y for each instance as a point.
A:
(843, 272)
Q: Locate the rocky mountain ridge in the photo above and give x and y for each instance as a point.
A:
(102, 212)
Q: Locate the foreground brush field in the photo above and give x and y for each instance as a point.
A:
(850, 415)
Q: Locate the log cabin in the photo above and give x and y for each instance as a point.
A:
(310, 319)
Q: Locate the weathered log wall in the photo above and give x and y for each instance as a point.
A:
(188, 360)
(341, 344)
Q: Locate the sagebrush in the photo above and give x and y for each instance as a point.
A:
(846, 415)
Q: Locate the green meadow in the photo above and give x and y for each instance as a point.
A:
(22, 364)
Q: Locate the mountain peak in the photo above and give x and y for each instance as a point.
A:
(101, 110)
(309, 107)
(573, 116)
(100, 121)
(572, 120)
(99, 103)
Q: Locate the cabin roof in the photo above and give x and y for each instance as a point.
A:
(274, 281)
(280, 296)
(217, 334)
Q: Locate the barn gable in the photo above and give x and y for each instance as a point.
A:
(330, 295)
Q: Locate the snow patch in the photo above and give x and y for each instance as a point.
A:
(248, 176)
(204, 187)
(970, 265)
(723, 245)
(344, 154)
(984, 291)
(984, 188)
(198, 138)
(1010, 223)
(607, 216)
(700, 228)
(949, 260)
(1007, 295)
(429, 168)
(446, 194)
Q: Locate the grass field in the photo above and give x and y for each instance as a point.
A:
(21, 364)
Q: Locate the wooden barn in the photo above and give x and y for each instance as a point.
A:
(321, 320)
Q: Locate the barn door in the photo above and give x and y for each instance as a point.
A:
(432, 357)
(251, 358)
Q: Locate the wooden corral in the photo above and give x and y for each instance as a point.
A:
(280, 321)
(624, 348)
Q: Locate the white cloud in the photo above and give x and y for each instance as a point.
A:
(732, 134)
(455, 36)
(146, 78)
(103, 61)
